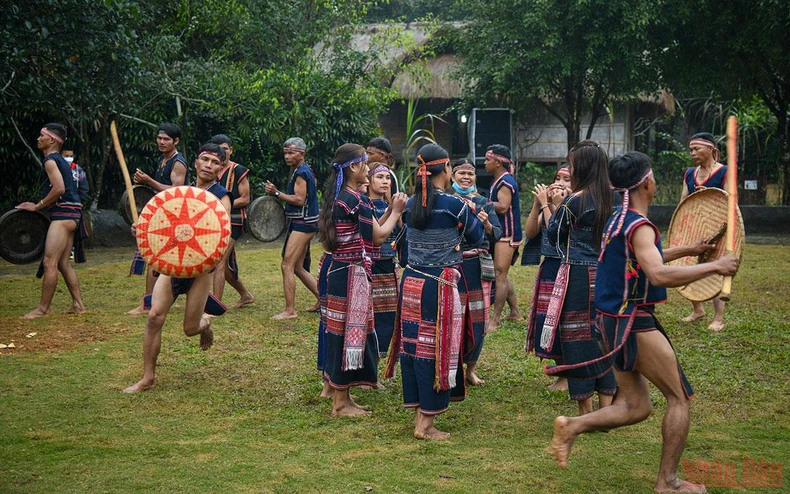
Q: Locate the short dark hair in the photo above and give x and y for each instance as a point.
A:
(172, 130)
(57, 129)
(382, 143)
(628, 169)
(221, 139)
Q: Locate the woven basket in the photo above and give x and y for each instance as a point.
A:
(703, 214)
(183, 232)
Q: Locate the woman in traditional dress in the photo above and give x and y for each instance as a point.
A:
(429, 339)
(349, 232)
(385, 278)
(61, 199)
(575, 232)
(546, 201)
(708, 173)
(477, 272)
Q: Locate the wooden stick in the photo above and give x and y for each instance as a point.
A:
(732, 198)
(126, 178)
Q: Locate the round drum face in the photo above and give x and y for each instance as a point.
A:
(183, 232)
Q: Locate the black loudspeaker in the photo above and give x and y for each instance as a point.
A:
(489, 126)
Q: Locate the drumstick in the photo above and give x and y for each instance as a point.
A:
(732, 198)
(126, 178)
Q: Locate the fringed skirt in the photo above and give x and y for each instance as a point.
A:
(385, 302)
(429, 338)
(351, 344)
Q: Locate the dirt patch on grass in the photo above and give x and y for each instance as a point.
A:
(55, 334)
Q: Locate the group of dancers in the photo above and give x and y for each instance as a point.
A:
(420, 280)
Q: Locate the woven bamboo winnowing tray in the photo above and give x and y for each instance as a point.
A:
(183, 232)
(703, 214)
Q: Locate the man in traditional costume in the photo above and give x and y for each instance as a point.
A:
(428, 341)
(631, 280)
(66, 227)
(708, 173)
(235, 178)
(172, 171)
(167, 289)
(301, 213)
(504, 195)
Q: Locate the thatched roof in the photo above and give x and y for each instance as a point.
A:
(440, 81)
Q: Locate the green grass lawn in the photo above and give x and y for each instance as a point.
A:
(246, 417)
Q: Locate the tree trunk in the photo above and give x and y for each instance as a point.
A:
(784, 162)
(573, 131)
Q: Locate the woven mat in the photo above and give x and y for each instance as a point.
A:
(703, 214)
(183, 232)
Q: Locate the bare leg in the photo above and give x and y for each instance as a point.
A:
(604, 400)
(718, 315)
(344, 406)
(698, 312)
(424, 428)
(471, 376)
(222, 271)
(503, 254)
(72, 282)
(560, 384)
(327, 391)
(631, 405)
(246, 297)
(295, 251)
(59, 239)
(585, 406)
(512, 302)
(150, 280)
(195, 321)
(162, 300)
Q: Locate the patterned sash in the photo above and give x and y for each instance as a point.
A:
(359, 316)
(554, 311)
(449, 331)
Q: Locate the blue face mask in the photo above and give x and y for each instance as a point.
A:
(463, 192)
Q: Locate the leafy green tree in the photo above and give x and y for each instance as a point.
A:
(571, 57)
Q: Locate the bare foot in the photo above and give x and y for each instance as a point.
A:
(562, 441)
(315, 307)
(716, 326)
(561, 384)
(245, 299)
(681, 487)
(285, 315)
(138, 310)
(472, 379)
(693, 316)
(349, 410)
(36, 313)
(327, 391)
(206, 338)
(432, 434)
(493, 325)
(75, 309)
(514, 317)
(141, 385)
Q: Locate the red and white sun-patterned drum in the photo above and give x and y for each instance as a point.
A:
(183, 232)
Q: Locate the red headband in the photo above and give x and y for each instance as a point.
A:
(701, 142)
(498, 157)
(212, 153)
(563, 171)
(291, 148)
(52, 135)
